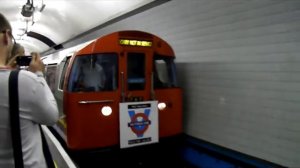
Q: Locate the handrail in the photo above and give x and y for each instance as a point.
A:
(94, 101)
(122, 87)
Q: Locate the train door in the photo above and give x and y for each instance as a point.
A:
(58, 94)
(136, 76)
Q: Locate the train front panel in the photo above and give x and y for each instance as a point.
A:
(128, 67)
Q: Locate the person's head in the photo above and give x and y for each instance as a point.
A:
(6, 39)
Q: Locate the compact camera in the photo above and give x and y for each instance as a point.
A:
(24, 60)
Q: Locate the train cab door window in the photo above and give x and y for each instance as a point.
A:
(62, 78)
(94, 73)
(50, 75)
(136, 71)
(164, 72)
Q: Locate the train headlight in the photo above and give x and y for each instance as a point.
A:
(106, 110)
(161, 106)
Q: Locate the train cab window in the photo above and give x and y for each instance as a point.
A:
(62, 78)
(164, 72)
(94, 73)
(136, 71)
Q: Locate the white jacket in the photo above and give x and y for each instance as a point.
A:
(37, 106)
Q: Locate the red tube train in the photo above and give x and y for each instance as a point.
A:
(120, 89)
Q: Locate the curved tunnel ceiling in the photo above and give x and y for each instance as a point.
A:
(57, 21)
(44, 39)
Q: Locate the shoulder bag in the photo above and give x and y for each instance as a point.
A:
(15, 125)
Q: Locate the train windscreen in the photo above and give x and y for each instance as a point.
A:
(164, 75)
(96, 72)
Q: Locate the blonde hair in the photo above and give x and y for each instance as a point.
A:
(15, 51)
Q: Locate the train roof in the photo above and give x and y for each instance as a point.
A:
(132, 38)
(107, 42)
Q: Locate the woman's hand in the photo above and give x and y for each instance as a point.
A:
(36, 63)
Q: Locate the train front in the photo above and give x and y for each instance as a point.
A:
(121, 90)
